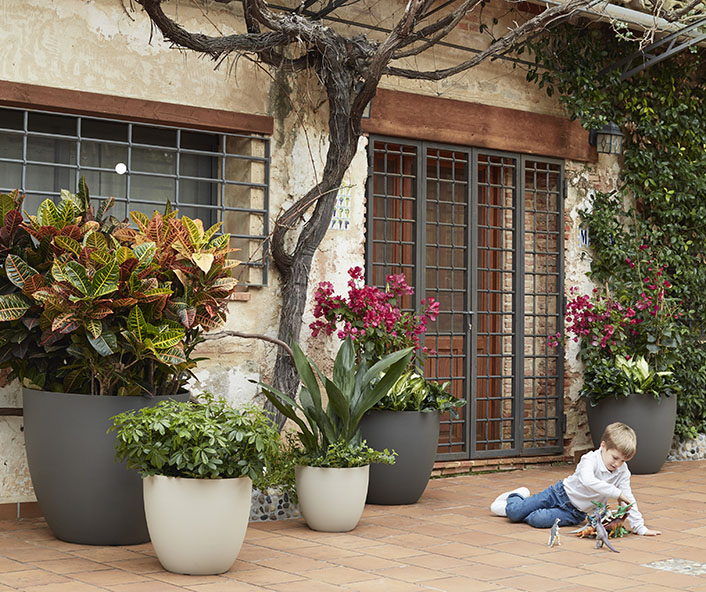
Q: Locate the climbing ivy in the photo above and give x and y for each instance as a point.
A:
(662, 112)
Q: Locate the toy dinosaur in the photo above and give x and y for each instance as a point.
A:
(602, 534)
(554, 534)
(612, 520)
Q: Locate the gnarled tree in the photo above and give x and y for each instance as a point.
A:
(349, 69)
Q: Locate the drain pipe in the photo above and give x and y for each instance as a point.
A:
(608, 11)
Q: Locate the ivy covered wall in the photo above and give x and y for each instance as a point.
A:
(660, 203)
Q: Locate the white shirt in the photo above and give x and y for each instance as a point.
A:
(593, 482)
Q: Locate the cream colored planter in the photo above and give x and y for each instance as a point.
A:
(197, 526)
(332, 500)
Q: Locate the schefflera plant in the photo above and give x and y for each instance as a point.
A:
(94, 305)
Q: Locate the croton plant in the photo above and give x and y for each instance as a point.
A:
(89, 304)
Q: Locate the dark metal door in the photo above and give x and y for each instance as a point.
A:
(481, 233)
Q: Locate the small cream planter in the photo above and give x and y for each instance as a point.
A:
(332, 499)
(197, 526)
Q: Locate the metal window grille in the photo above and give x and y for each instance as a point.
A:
(495, 317)
(544, 272)
(216, 177)
(480, 232)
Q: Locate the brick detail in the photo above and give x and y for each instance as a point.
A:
(20, 510)
(458, 467)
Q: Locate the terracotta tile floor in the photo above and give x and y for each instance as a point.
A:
(447, 542)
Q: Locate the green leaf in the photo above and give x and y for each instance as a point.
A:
(13, 306)
(48, 214)
(105, 344)
(140, 219)
(123, 254)
(94, 327)
(145, 254)
(172, 357)
(76, 275)
(211, 231)
(136, 324)
(18, 272)
(306, 374)
(67, 244)
(7, 204)
(83, 196)
(167, 339)
(95, 240)
(220, 242)
(66, 210)
(195, 229)
(106, 279)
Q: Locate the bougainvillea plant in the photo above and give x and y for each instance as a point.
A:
(89, 304)
(376, 323)
(371, 316)
(637, 327)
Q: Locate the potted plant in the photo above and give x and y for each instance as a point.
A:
(627, 342)
(92, 306)
(407, 419)
(333, 462)
(197, 460)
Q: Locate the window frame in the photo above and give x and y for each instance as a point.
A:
(217, 209)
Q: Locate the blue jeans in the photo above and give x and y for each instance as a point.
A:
(542, 509)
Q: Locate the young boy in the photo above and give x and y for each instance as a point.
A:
(600, 475)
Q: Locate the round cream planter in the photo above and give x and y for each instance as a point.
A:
(332, 499)
(197, 526)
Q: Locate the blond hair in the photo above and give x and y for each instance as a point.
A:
(620, 437)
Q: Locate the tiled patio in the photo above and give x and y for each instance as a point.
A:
(447, 542)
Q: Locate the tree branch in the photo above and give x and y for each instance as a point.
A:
(437, 30)
(222, 334)
(503, 45)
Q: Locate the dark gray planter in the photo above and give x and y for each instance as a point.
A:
(652, 419)
(85, 496)
(414, 435)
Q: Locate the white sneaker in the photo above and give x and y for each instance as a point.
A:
(498, 506)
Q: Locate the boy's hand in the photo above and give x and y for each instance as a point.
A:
(623, 500)
(649, 532)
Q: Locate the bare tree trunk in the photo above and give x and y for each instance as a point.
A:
(295, 268)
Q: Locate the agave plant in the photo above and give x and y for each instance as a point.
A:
(90, 304)
(353, 389)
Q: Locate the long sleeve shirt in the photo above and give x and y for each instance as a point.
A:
(593, 482)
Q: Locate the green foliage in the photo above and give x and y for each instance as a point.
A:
(613, 376)
(341, 454)
(204, 440)
(89, 304)
(412, 392)
(353, 390)
(662, 112)
(279, 471)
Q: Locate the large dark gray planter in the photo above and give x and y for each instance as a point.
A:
(85, 496)
(652, 419)
(414, 435)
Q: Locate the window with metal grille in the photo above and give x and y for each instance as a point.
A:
(213, 176)
(481, 232)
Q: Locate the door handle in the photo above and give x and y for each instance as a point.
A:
(470, 314)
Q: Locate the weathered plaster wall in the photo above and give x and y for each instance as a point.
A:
(582, 182)
(96, 46)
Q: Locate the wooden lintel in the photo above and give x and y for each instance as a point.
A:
(32, 96)
(11, 411)
(421, 117)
